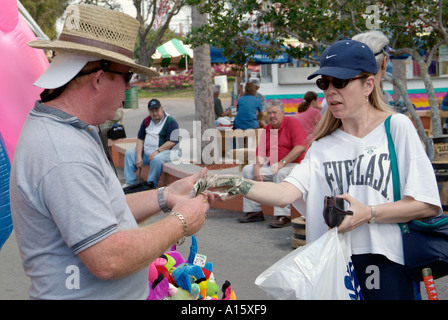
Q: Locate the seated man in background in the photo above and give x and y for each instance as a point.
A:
(219, 111)
(282, 145)
(156, 138)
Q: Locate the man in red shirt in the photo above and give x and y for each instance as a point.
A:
(282, 145)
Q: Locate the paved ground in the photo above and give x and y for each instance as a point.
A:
(239, 252)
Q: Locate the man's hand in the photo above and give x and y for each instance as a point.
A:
(275, 167)
(152, 155)
(194, 211)
(182, 189)
(139, 161)
(257, 173)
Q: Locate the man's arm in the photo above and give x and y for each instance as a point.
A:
(293, 154)
(167, 146)
(145, 204)
(128, 251)
(259, 161)
(141, 134)
(139, 152)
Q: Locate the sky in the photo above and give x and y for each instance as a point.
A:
(183, 17)
(128, 7)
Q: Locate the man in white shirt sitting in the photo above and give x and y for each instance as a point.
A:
(157, 137)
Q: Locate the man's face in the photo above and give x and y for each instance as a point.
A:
(275, 116)
(156, 114)
(112, 94)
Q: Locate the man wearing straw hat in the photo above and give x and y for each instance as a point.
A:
(76, 230)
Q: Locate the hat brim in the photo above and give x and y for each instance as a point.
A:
(335, 72)
(62, 69)
(65, 46)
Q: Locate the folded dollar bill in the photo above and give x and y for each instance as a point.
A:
(222, 185)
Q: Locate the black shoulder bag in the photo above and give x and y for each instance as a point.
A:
(425, 242)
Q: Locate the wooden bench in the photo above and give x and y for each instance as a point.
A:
(443, 114)
(246, 153)
(118, 150)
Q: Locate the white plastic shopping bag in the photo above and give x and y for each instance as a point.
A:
(319, 270)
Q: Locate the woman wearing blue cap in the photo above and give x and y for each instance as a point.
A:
(350, 154)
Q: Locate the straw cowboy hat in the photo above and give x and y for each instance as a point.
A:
(95, 33)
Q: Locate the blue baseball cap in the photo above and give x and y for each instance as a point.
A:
(154, 104)
(345, 59)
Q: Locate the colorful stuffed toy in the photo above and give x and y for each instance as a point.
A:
(193, 250)
(181, 294)
(158, 284)
(177, 256)
(227, 292)
(186, 274)
(173, 277)
(212, 289)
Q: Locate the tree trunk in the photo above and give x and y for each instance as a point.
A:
(435, 116)
(407, 101)
(203, 97)
(399, 72)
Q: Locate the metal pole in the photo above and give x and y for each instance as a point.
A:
(430, 284)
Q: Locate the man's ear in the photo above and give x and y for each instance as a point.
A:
(96, 78)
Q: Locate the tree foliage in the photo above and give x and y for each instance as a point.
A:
(416, 27)
(110, 4)
(46, 13)
(234, 24)
(237, 26)
(146, 15)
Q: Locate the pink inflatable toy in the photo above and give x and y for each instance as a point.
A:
(20, 66)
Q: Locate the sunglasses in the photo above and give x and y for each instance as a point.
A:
(126, 75)
(324, 83)
(105, 66)
(334, 211)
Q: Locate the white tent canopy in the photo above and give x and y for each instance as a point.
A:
(172, 51)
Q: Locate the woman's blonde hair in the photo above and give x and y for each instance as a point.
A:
(329, 123)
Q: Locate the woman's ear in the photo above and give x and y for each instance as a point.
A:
(369, 85)
(384, 64)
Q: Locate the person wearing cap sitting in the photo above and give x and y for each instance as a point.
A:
(350, 154)
(156, 139)
(76, 230)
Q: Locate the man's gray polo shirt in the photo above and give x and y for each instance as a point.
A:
(65, 197)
